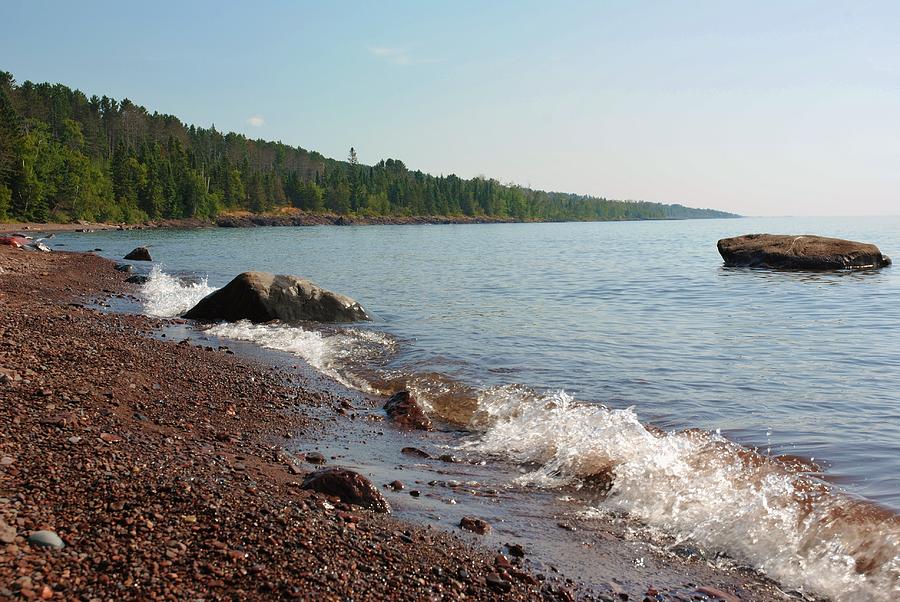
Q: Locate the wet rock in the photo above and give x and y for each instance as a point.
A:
(139, 254)
(415, 492)
(718, 594)
(406, 412)
(46, 539)
(449, 458)
(807, 252)
(496, 583)
(475, 525)
(261, 297)
(556, 592)
(516, 550)
(124, 267)
(315, 458)
(138, 279)
(351, 487)
(599, 482)
(415, 451)
(396, 485)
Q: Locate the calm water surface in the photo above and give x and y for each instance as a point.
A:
(627, 314)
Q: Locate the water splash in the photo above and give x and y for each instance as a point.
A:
(167, 296)
(337, 354)
(697, 485)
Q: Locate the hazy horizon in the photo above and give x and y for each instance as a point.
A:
(765, 110)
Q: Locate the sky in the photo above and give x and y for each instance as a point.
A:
(761, 108)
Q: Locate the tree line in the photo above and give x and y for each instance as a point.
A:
(65, 157)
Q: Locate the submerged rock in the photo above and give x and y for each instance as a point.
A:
(350, 486)
(139, 254)
(415, 451)
(807, 252)
(475, 525)
(260, 297)
(405, 411)
(138, 279)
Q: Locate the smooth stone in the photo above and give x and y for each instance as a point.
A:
(261, 297)
(46, 539)
(139, 254)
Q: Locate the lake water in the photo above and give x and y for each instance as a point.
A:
(555, 344)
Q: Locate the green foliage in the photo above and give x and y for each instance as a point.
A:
(66, 156)
(5, 202)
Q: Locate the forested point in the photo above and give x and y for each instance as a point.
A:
(66, 157)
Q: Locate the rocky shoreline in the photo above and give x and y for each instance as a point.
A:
(159, 467)
(164, 468)
(254, 220)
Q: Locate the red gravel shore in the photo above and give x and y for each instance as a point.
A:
(158, 464)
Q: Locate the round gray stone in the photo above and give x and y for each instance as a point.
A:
(46, 539)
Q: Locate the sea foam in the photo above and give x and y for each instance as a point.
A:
(334, 353)
(168, 296)
(701, 487)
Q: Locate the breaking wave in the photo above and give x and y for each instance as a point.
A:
(768, 512)
(338, 354)
(167, 296)
(772, 513)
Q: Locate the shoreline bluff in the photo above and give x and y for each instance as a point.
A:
(161, 468)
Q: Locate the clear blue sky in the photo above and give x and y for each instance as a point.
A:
(764, 108)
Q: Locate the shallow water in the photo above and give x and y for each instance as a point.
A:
(487, 322)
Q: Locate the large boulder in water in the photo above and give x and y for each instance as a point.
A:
(260, 297)
(806, 252)
(139, 254)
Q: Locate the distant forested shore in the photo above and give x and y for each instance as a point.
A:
(65, 156)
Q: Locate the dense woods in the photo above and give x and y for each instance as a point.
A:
(65, 156)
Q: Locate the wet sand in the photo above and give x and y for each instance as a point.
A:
(171, 470)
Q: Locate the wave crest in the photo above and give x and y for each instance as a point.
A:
(700, 486)
(167, 296)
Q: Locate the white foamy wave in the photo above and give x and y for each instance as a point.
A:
(699, 486)
(167, 296)
(334, 354)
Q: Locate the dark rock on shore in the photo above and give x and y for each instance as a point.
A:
(806, 252)
(350, 486)
(475, 525)
(315, 458)
(415, 451)
(139, 254)
(406, 412)
(137, 279)
(261, 297)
